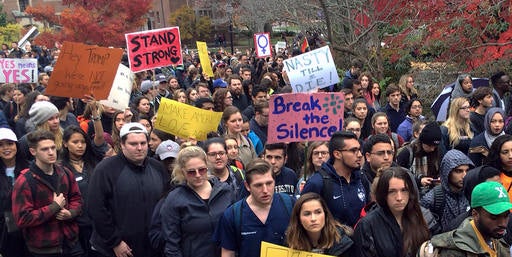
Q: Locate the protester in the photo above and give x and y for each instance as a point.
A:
(483, 234)
(12, 162)
(312, 228)
(46, 201)
(396, 227)
(456, 129)
(232, 123)
(192, 210)
(494, 124)
(123, 192)
(263, 213)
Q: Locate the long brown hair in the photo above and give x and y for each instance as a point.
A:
(297, 237)
(414, 228)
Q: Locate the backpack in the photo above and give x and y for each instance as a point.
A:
(285, 200)
(408, 147)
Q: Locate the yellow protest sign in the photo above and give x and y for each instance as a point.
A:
(186, 121)
(272, 250)
(202, 49)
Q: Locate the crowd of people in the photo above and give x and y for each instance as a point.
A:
(78, 178)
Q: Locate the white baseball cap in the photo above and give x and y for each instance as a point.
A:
(132, 127)
(7, 134)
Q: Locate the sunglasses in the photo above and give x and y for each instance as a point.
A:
(192, 172)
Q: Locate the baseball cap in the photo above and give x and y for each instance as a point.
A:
(146, 85)
(7, 134)
(219, 83)
(161, 78)
(167, 148)
(132, 127)
(491, 196)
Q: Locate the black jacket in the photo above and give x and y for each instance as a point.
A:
(121, 199)
(188, 222)
(378, 234)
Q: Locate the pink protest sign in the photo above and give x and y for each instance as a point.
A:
(304, 117)
(154, 48)
(18, 70)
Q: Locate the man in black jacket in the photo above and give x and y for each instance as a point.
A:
(122, 194)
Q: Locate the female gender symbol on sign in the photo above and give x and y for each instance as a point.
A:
(263, 44)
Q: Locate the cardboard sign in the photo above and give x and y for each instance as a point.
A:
(301, 117)
(84, 70)
(154, 48)
(18, 70)
(119, 96)
(311, 70)
(186, 121)
(202, 49)
(273, 250)
(262, 45)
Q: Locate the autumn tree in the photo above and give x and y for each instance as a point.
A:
(100, 22)
(192, 27)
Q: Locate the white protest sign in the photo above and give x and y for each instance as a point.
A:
(119, 96)
(311, 70)
(262, 45)
(18, 70)
(280, 47)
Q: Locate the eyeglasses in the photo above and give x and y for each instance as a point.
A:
(466, 108)
(215, 154)
(384, 152)
(193, 172)
(354, 150)
(320, 153)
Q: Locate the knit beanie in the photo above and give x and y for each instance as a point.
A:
(431, 134)
(40, 112)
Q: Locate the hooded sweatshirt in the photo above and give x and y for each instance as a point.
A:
(455, 203)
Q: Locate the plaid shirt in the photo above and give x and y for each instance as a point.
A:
(36, 215)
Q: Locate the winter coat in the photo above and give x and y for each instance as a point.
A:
(188, 222)
(459, 242)
(121, 198)
(378, 235)
(35, 214)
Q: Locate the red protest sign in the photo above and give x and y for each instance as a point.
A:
(154, 48)
(84, 70)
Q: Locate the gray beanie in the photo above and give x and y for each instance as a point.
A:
(40, 112)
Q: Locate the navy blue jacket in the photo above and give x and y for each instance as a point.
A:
(347, 199)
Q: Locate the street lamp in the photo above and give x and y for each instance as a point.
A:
(229, 11)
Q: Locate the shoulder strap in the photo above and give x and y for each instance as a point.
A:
(438, 201)
(287, 203)
(394, 137)
(327, 184)
(237, 215)
(31, 182)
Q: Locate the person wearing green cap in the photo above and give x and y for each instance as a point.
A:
(482, 233)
